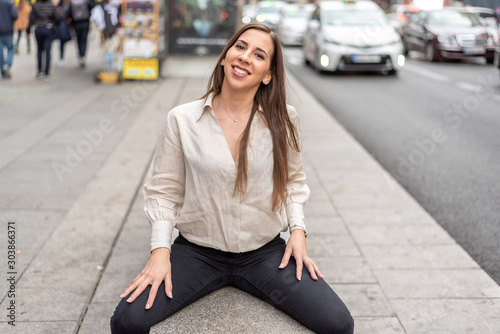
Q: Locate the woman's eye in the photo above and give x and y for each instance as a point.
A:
(240, 47)
(260, 56)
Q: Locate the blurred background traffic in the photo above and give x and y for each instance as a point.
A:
(377, 35)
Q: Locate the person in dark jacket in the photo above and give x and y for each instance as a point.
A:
(79, 12)
(8, 14)
(45, 18)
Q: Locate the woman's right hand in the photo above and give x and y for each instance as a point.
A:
(156, 271)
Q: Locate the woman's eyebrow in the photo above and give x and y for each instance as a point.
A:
(246, 44)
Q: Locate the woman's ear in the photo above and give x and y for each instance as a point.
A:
(223, 62)
(268, 78)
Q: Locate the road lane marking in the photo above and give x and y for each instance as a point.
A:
(468, 87)
(426, 73)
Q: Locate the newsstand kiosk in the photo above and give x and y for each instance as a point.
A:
(143, 45)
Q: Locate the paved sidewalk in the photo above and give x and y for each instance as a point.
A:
(82, 235)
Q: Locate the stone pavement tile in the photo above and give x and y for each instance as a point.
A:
(394, 215)
(449, 316)
(137, 217)
(225, 310)
(432, 284)
(44, 273)
(378, 325)
(369, 199)
(417, 257)
(29, 134)
(50, 303)
(345, 269)
(328, 224)
(319, 208)
(42, 327)
(376, 234)
(337, 155)
(97, 318)
(364, 300)
(331, 245)
(36, 201)
(112, 284)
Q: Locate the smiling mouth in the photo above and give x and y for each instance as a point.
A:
(240, 71)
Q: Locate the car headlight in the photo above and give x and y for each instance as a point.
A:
(447, 40)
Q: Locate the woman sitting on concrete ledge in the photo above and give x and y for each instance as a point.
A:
(227, 172)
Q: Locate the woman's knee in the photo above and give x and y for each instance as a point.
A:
(338, 325)
(125, 321)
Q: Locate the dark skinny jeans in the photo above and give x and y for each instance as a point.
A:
(81, 32)
(44, 38)
(198, 271)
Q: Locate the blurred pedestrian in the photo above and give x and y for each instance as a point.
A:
(8, 14)
(227, 172)
(22, 22)
(45, 18)
(80, 18)
(64, 34)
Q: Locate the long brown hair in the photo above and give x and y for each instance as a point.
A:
(271, 98)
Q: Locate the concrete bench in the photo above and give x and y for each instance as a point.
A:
(229, 310)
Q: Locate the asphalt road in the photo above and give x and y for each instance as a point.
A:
(435, 127)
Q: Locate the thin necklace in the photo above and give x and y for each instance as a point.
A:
(225, 110)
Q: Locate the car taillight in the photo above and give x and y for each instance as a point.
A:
(402, 17)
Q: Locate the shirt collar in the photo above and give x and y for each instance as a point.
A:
(207, 105)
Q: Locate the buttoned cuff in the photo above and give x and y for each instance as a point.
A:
(295, 214)
(161, 234)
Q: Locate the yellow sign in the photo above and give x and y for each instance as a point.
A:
(140, 68)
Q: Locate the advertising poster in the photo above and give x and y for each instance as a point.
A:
(201, 26)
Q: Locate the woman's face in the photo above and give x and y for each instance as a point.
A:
(248, 61)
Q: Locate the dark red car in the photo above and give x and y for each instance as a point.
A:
(449, 34)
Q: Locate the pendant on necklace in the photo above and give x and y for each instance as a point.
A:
(235, 120)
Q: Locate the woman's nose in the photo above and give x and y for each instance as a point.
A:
(245, 57)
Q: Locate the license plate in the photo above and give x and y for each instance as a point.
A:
(366, 58)
(475, 51)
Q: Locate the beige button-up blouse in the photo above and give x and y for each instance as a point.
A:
(191, 182)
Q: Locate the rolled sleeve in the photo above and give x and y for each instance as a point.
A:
(164, 189)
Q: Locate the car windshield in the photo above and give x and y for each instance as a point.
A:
(453, 19)
(355, 18)
(298, 13)
(269, 10)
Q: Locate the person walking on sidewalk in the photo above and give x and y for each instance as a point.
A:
(64, 34)
(80, 17)
(227, 172)
(22, 22)
(8, 14)
(45, 18)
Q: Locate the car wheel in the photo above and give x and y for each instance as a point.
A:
(490, 60)
(392, 72)
(431, 53)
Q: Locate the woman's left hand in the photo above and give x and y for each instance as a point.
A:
(296, 247)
